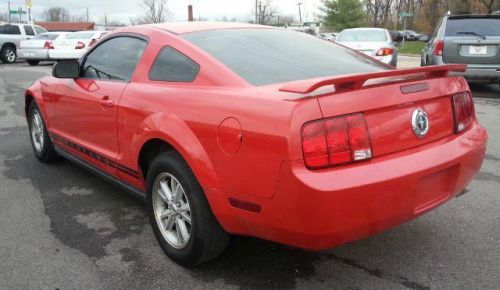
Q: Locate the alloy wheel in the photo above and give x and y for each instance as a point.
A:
(172, 210)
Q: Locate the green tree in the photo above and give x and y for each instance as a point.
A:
(342, 14)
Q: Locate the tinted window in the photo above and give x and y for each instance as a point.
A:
(28, 30)
(483, 26)
(266, 56)
(172, 66)
(81, 35)
(362, 35)
(39, 30)
(9, 29)
(114, 59)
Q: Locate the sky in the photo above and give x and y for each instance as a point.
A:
(123, 10)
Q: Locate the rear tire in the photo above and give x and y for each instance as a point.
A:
(187, 243)
(39, 136)
(33, 62)
(8, 54)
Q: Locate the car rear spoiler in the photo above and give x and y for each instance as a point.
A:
(356, 81)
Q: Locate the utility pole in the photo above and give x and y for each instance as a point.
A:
(105, 20)
(8, 4)
(260, 13)
(87, 14)
(256, 12)
(300, 12)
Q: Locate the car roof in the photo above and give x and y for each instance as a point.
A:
(195, 26)
(473, 16)
(364, 28)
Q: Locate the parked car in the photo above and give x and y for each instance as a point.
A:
(330, 36)
(37, 49)
(10, 37)
(396, 36)
(75, 45)
(410, 35)
(375, 42)
(322, 147)
(473, 40)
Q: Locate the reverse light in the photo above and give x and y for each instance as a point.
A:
(463, 111)
(438, 48)
(79, 45)
(336, 141)
(48, 45)
(385, 51)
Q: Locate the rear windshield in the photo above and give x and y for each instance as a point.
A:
(267, 56)
(50, 36)
(482, 26)
(80, 35)
(362, 35)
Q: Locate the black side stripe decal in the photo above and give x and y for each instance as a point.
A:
(95, 156)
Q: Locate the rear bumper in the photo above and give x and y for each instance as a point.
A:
(481, 73)
(33, 54)
(325, 208)
(66, 54)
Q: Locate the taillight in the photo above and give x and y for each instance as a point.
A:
(48, 45)
(79, 45)
(463, 111)
(336, 141)
(385, 51)
(438, 48)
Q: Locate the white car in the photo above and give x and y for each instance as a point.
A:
(375, 42)
(75, 45)
(37, 49)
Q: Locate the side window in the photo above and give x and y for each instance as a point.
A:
(39, 30)
(172, 66)
(29, 30)
(10, 29)
(114, 59)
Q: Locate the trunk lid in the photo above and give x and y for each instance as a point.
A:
(472, 40)
(389, 107)
(368, 48)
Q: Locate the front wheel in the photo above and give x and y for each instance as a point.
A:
(39, 136)
(180, 215)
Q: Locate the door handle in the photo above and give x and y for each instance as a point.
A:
(106, 102)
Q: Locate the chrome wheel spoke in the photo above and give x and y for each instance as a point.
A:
(186, 217)
(167, 213)
(166, 194)
(182, 230)
(169, 222)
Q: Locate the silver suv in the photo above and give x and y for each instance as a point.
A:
(467, 39)
(10, 37)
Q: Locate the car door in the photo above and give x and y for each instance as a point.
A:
(83, 115)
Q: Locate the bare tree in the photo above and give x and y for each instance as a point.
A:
(3, 17)
(155, 11)
(489, 4)
(266, 12)
(57, 14)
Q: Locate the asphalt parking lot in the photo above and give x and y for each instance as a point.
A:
(64, 228)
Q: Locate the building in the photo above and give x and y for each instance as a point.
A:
(66, 26)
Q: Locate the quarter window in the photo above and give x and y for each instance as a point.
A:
(29, 30)
(114, 59)
(39, 30)
(173, 66)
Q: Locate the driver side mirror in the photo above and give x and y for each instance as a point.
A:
(66, 69)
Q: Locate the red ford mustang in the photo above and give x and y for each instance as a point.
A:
(243, 129)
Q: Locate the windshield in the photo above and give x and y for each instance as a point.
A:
(267, 56)
(362, 35)
(80, 35)
(467, 27)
